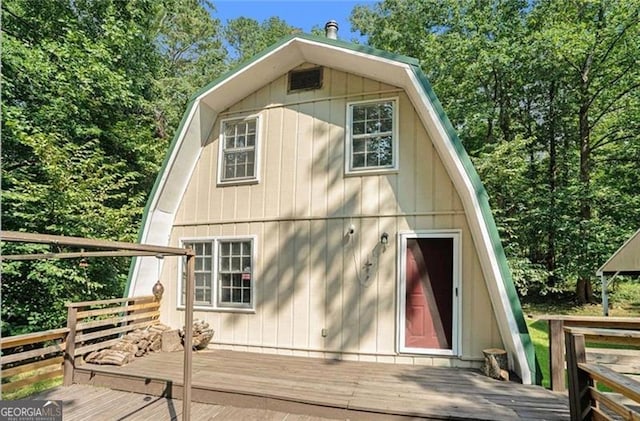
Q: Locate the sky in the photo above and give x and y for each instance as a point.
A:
(304, 14)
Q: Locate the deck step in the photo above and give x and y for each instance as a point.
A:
(331, 389)
(165, 388)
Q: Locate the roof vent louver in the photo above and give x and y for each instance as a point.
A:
(306, 79)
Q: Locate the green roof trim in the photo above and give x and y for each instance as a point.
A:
(483, 200)
(471, 172)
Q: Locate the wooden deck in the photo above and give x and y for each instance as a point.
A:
(83, 402)
(332, 389)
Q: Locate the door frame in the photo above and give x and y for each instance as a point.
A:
(456, 317)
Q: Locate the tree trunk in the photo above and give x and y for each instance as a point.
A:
(552, 175)
(584, 291)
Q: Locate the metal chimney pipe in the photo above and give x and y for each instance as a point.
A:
(331, 29)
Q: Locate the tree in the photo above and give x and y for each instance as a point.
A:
(247, 36)
(554, 83)
(597, 47)
(79, 153)
(189, 40)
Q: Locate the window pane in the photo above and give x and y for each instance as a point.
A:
(236, 248)
(228, 172)
(373, 126)
(358, 160)
(358, 113)
(358, 145)
(199, 280)
(199, 295)
(246, 264)
(236, 264)
(236, 296)
(235, 280)
(385, 151)
(372, 160)
(246, 296)
(358, 127)
(372, 112)
(386, 125)
(225, 280)
(226, 295)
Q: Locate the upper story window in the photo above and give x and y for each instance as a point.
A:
(238, 150)
(372, 140)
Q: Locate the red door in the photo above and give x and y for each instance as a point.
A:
(429, 293)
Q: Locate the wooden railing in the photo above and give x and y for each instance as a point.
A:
(91, 326)
(31, 358)
(586, 400)
(557, 345)
(95, 325)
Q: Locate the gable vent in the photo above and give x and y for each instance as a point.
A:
(307, 79)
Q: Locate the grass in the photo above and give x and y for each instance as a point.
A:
(624, 301)
(31, 389)
(539, 333)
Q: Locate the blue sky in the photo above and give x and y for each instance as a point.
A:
(304, 14)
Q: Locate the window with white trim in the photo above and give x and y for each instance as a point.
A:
(372, 136)
(238, 147)
(223, 273)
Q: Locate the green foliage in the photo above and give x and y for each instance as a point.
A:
(544, 95)
(247, 36)
(189, 40)
(89, 102)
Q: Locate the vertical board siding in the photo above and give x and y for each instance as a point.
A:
(309, 275)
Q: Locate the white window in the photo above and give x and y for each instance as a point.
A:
(372, 141)
(223, 273)
(238, 150)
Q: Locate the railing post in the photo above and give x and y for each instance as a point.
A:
(579, 381)
(70, 345)
(556, 355)
(188, 338)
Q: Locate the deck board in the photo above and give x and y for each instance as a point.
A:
(83, 402)
(337, 389)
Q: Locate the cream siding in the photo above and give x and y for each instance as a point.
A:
(305, 276)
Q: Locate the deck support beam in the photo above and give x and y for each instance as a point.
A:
(188, 338)
(70, 348)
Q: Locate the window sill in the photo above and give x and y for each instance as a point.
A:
(373, 171)
(221, 309)
(238, 182)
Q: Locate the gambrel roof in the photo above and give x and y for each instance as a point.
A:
(392, 69)
(625, 260)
